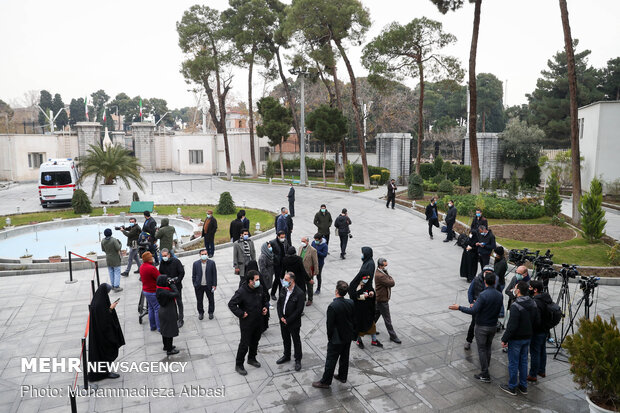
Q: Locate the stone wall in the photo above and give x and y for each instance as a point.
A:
(393, 153)
(144, 143)
(489, 156)
(89, 133)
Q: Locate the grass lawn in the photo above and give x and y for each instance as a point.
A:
(576, 251)
(265, 218)
(494, 221)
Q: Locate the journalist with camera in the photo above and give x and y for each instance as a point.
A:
(132, 232)
(172, 267)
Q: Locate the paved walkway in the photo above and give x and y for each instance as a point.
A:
(44, 317)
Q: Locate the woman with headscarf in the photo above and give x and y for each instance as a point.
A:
(469, 258)
(105, 335)
(363, 295)
(253, 266)
(166, 294)
(265, 264)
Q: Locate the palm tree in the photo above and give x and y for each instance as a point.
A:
(113, 163)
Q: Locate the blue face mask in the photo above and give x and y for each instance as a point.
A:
(166, 258)
(285, 284)
(204, 257)
(519, 276)
(130, 224)
(478, 214)
(362, 256)
(256, 283)
(270, 249)
(323, 210)
(245, 237)
(365, 280)
(208, 216)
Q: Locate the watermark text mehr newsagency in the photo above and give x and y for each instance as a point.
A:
(73, 365)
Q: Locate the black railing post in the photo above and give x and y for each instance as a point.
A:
(92, 285)
(84, 363)
(73, 404)
(97, 273)
(70, 280)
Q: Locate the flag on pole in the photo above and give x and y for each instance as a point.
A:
(140, 109)
(104, 118)
(86, 107)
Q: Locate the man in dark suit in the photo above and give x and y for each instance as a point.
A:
(291, 200)
(280, 246)
(391, 193)
(432, 216)
(290, 308)
(340, 332)
(204, 278)
(236, 226)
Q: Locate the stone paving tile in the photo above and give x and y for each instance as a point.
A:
(429, 371)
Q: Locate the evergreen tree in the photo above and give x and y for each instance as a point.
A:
(45, 103)
(553, 202)
(62, 119)
(415, 188)
(225, 206)
(592, 214)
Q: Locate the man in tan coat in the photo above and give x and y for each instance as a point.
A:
(311, 264)
(383, 287)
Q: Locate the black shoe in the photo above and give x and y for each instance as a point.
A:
(241, 370)
(337, 377)
(211, 256)
(446, 240)
(522, 389)
(508, 390)
(376, 343)
(431, 237)
(273, 297)
(484, 379)
(360, 343)
(317, 292)
(254, 362)
(283, 359)
(297, 365)
(395, 340)
(125, 274)
(136, 272)
(116, 376)
(173, 347)
(172, 352)
(180, 323)
(320, 385)
(210, 316)
(201, 316)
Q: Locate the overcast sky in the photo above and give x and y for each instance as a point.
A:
(75, 47)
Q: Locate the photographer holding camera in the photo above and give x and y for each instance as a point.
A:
(172, 267)
(538, 349)
(132, 232)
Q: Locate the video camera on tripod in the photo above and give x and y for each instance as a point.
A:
(543, 267)
(587, 284)
(519, 257)
(569, 271)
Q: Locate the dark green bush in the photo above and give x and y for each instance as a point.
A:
(415, 189)
(242, 172)
(437, 179)
(438, 164)
(358, 174)
(494, 207)
(81, 203)
(553, 202)
(445, 187)
(427, 170)
(225, 206)
(430, 186)
(385, 176)
(348, 175)
(531, 177)
(271, 168)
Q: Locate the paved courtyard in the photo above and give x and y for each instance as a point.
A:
(41, 316)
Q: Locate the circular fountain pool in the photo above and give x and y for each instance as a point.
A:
(81, 236)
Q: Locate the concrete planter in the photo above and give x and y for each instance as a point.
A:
(55, 258)
(109, 194)
(594, 408)
(91, 257)
(25, 260)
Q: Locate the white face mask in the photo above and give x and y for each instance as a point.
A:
(303, 244)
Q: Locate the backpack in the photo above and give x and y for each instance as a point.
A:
(461, 240)
(555, 315)
(144, 238)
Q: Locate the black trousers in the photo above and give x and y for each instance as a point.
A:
(200, 293)
(291, 208)
(167, 343)
(450, 231)
(277, 282)
(392, 199)
(318, 277)
(289, 333)
(470, 331)
(383, 309)
(250, 335)
(484, 261)
(326, 236)
(336, 352)
(431, 222)
(344, 240)
(179, 301)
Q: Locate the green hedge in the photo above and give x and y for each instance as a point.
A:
(494, 207)
(460, 172)
(358, 175)
(292, 165)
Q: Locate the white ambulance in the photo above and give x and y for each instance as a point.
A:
(58, 181)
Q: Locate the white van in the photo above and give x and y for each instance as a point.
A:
(58, 181)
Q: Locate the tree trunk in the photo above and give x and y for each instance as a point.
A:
(339, 104)
(289, 97)
(336, 150)
(356, 110)
(324, 160)
(281, 163)
(574, 128)
(473, 141)
(418, 159)
(483, 122)
(251, 113)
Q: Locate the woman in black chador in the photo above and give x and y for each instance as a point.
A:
(363, 295)
(469, 259)
(105, 335)
(166, 294)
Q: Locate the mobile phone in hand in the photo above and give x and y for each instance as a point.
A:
(117, 300)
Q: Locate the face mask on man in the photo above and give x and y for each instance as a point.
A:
(208, 216)
(450, 205)
(281, 239)
(245, 237)
(166, 258)
(478, 214)
(204, 257)
(270, 248)
(323, 210)
(286, 284)
(256, 283)
(519, 276)
(130, 224)
(303, 244)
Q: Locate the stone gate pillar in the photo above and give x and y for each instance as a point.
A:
(393, 151)
(144, 143)
(89, 133)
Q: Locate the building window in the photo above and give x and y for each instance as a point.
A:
(195, 156)
(35, 159)
(581, 128)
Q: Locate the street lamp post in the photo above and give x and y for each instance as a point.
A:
(302, 73)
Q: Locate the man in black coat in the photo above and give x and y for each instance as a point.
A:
(132, 232)
(209, 229)
(204, 279)
(450, 220)
(340, 332)
(290, 309)
(478, 220)
(249, 305)
(150, 225)
(432, 216)
(236, 226)
(291, 200)
(391, 193)
(280, 246)
(295, 264)
(172, 267)
(486, 244)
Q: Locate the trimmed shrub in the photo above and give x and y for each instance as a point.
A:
(225, 206)
(270, 171)
(437, 179)
(385, 176)
(513, 185)
(415, 189)
(430, 186)
(375, 178)
(135, 196)
(242, 172)
(427, 170)
(592, 215)
(500, 208)
(558, 221)
(553, 202)
(348, 175)
(438, 164)
(80, 202)
(445, 187)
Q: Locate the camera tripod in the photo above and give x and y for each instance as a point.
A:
(588, 290)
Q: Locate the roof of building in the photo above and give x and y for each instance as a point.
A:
(616, 102)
